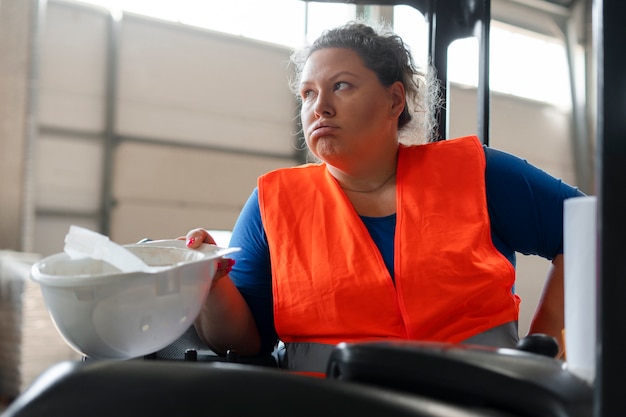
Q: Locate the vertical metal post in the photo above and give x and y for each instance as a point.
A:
(482, 31)
(609, 41)
(110, 137)
(32, 131)
(582, 143)
(438, 42)
(451, 20)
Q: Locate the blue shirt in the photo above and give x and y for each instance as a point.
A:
(525, 207)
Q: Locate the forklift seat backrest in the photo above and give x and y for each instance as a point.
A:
(165, 389)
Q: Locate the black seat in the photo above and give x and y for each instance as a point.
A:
(512, 380)
(173, 388)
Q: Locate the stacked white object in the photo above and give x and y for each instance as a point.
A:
(580, 255)
(29, 342)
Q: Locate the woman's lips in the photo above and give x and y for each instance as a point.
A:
(323, 131)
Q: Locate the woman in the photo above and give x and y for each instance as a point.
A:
(384, 238)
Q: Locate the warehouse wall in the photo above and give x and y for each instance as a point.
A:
(170, 124)
(18, 34)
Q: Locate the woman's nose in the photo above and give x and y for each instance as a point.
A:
(323, 106)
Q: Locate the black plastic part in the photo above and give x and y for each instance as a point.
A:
(189, 347)
(191, 355)
(232, 356)
(165, 388)
(506, 379)
(610, 38)
(541, 344)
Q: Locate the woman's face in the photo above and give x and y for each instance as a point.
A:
(349, 118)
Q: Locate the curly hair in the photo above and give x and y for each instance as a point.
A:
(386, 54)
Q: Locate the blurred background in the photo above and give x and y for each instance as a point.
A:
(144, 119)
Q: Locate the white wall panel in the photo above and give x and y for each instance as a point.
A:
(135, 220)
(73, 68)
(187, 175)
(537, 132)
(160, 189)
(201, 87)
(51, 231)
(176, 84)
(68, 174)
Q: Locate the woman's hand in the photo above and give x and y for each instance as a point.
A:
(549, 317)
(225, 321)
(197, 237)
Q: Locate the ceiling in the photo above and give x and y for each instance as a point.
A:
(547, 4)
(549, 17)
(566, 3)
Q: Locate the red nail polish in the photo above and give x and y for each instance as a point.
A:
(228, 265)
(191, 241)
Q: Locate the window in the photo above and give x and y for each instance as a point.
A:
(522, 63)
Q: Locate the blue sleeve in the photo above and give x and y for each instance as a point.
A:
(251, 273)
(525, 205)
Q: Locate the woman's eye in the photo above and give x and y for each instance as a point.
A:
(306, 94)
(341, 85)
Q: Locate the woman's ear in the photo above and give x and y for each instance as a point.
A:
(398, 98)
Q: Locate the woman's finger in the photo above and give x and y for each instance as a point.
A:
(196, 237)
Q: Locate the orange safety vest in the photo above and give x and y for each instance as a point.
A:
(330, 283)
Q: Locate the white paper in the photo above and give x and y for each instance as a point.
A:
(580, 251)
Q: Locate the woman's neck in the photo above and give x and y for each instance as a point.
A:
(370, 188)
(373, 194)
